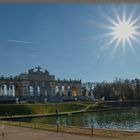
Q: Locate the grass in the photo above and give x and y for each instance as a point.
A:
(28, 109)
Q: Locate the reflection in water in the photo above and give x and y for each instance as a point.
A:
(117, 119)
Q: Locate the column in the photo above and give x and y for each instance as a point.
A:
(13, 90)
(60, 91)
(66, 91)
(38, 91)
(63, 91)
(45, 92)
(31, 91)
(0, 90)
(52, 91)
(79, 92)
(48, 91)
(69, 92)
(56, 90)
(41, 91)
(10, 90)
(35, 91)
(7, 89)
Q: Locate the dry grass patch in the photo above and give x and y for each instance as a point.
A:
(76, 130)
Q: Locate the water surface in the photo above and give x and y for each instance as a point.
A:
(118, 119)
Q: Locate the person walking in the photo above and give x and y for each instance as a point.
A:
(2, 131)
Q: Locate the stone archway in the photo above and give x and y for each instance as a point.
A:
(74, 91)
(17, 90)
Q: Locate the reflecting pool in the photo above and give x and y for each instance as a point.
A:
(128, 119)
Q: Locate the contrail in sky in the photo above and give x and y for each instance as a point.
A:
(20, 41)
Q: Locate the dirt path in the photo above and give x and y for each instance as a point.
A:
(20, 133)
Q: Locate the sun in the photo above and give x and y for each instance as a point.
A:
(123, 29)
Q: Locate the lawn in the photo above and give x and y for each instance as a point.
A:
(26, 109)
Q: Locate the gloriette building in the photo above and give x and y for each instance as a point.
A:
(38, 84)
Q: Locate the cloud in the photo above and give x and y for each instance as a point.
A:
(20, 41)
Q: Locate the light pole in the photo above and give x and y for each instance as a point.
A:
(92, 127)
(57, 115)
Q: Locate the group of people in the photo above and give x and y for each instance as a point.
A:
(2, 130)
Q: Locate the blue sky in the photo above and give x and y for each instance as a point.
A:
(66, 39)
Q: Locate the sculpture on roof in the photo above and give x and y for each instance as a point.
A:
(31, 70)
(38, 69)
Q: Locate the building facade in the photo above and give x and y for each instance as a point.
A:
(38, 84)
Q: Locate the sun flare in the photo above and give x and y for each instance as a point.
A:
(123, 30)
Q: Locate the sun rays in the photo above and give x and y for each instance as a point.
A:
(123, 29)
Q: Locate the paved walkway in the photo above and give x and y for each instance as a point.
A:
(20, 133)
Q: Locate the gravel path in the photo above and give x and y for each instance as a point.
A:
(20, 133)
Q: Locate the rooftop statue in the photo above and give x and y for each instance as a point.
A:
(31, 70)
(38, 69)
